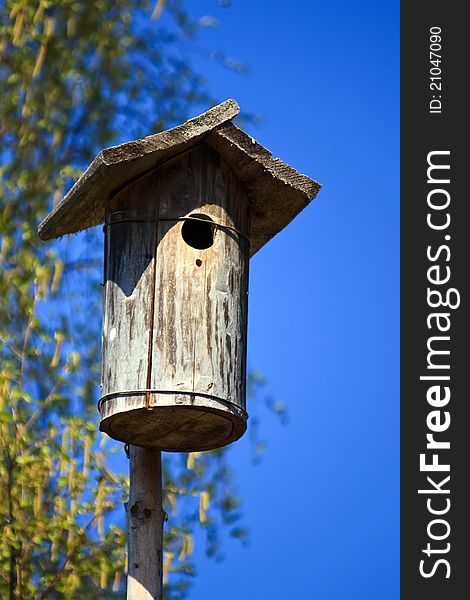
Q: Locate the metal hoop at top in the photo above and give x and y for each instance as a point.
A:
(189, 218)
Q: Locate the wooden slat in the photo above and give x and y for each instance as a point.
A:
(129, 281)
(205, 314)
(85, 204)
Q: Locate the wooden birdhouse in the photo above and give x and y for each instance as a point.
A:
(183, 212)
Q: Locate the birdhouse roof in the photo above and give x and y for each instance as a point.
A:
(276, 191)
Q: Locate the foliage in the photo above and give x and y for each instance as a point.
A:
(76, 76)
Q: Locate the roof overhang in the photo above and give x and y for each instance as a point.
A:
(276, 191)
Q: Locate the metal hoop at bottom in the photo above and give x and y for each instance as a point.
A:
(142, 392)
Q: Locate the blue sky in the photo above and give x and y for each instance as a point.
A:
(324, 297)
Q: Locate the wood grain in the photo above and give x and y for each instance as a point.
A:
(145, 525)
(276, 191)
(179, 314)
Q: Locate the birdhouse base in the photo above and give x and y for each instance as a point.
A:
(174, 423)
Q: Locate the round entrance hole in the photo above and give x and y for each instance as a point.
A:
(198, 231)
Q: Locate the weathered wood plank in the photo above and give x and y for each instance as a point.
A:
(85, 204)
(129, 280)
(276, 191)
(201, 294)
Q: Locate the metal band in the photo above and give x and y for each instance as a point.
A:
(215, 225)
(143, 392)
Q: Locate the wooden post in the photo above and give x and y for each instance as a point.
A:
(145, 525)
